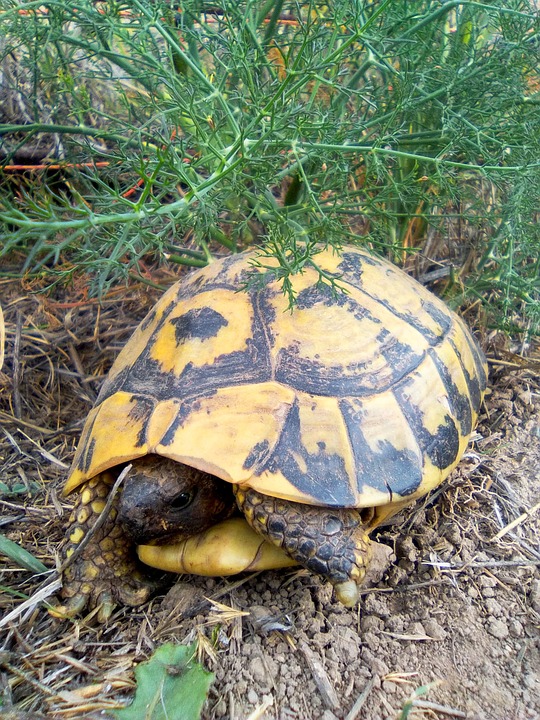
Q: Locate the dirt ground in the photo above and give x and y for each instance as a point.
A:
(457, 609)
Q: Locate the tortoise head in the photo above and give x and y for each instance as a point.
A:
(162, 499)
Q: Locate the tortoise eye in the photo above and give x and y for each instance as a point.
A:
(182, 500)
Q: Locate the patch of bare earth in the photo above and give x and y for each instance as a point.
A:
(458, 609)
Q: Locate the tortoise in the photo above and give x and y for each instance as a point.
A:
(315, 424)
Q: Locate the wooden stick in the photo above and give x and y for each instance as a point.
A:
(320, 676)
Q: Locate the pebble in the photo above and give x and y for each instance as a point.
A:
(374, 605)
(371, 623)
(252, 696)
(434, 630)
(494, 607)
(487, 582)
(497, 628)
(515, 628)
(416, 628)
(257, 669)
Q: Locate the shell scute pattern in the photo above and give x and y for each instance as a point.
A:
(388, 462)
(419, 309)
(308, 467)
(455, 383)
(377, 387)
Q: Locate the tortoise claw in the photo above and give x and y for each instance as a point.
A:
(347, 593)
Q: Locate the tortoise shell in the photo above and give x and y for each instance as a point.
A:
(355, 398)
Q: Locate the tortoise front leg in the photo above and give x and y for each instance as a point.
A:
(330, 542)
(105, 572)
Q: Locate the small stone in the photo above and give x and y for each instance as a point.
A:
(371, 623)
(397, 575)
(407, 549)
(252, 696)
(515, 628)
(374, 605)
(434, 630)
(371, 640)
(257, 669)
(382, 557)
(497, 628)
(486, 582)
(493, 607)
(416, 628)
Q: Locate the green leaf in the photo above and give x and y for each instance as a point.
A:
(170, 686)
(20, 556)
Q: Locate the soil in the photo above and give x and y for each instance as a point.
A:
(450, 618)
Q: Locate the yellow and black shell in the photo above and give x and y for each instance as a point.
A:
(357, 398)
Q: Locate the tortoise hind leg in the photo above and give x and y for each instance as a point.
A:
(330, 542)
(105, 570)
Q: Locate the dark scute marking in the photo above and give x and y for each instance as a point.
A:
(111, 386)
(319, 294)
(257, 454)
(186, 408)
(442, 317)
(264, 310)
(351, 268)
(399, 356)
(85, 460)
(251, 365)
(413, 321)
(316, 378)
(200, 323)
(229, 261)
(476, 383)
(236, 368)
(389, 470)
(442, 447)
(324, 476)
(239, 367)
(141, 411)
(459, 403)
(148, 319)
